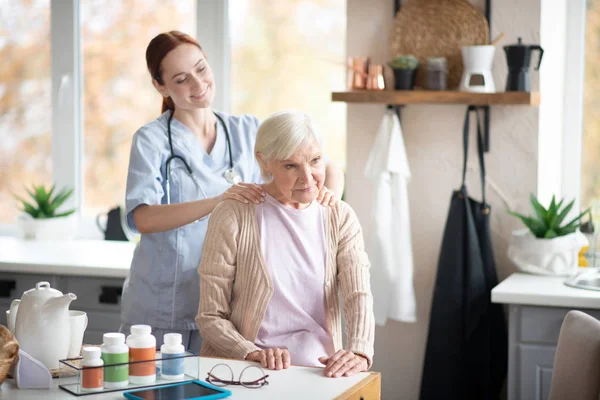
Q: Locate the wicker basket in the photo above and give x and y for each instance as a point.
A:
(438, 28)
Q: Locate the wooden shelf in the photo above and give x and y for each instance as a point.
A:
(400, 97)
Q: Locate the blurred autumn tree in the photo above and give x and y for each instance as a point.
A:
(291, 54)
(590, 179)
(118, 96)
(25, 108)
(286, 54)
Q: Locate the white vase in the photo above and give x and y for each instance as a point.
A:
(557, 257)
(60, 228)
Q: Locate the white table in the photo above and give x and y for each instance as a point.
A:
(547, 291)
(291, 384)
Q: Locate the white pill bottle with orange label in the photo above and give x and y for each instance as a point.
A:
(142, 347)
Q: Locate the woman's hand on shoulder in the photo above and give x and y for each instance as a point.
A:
(344, 363)
(271, 358)
(326, 197)
(245, 192)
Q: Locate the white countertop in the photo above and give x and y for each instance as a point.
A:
(521, 288)
(293, 383)
(100, 258)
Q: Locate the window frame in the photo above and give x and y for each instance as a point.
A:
(572, 138)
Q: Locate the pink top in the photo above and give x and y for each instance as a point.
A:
(293, 244)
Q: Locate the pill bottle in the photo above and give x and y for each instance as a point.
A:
(142, 347)
(115, 351)
(172, 347)
(92, 379)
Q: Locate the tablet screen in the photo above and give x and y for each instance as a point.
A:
(188, 390)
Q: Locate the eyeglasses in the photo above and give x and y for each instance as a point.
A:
(222, 375)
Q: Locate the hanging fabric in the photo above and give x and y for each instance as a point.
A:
(467, 345)
(389, 247)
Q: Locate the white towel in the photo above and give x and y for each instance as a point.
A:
(390, 248)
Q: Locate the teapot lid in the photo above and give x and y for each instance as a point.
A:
(42, 289)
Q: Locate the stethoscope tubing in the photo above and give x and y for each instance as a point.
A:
(174, 156)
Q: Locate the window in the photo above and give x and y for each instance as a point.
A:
(291, 54)
(25, 105)
(590, 176)
(118, 96)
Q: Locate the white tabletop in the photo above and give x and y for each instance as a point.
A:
(520, 288)
(100, 258)
(293, 383)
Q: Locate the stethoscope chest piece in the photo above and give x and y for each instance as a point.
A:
(232, 177)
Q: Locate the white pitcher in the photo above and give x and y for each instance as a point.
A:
(42, 324)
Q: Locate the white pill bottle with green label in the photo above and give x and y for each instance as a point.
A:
(172, 352)
(115, 351)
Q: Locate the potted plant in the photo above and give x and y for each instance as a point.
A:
(405, 70)
(547, 246)
(41, 218)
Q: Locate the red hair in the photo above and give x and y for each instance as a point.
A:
(157, 49)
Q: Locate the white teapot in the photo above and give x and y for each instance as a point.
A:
(42, 324)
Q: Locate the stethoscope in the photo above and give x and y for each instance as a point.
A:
(230, 175)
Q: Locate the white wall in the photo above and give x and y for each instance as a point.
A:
(432, 135)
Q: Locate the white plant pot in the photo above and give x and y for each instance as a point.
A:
(557, 257)
(61, 228)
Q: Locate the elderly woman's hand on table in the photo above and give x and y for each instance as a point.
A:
(344, 363)
(271, 358)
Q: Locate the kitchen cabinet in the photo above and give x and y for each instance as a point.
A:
(533, 336)
(99, 297)
(537, 306)
(94, 270)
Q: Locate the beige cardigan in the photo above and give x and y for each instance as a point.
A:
(235, 284)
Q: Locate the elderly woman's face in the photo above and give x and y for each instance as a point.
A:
(187, 78)
(300, 177)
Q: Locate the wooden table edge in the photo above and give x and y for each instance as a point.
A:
(374, 378)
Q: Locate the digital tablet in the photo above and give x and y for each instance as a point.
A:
(180, 391)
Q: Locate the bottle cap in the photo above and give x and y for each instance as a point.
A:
(113, 338)
(172, 338)
(91, 353)
(141, 329)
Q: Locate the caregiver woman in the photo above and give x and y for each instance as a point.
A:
(181, 166)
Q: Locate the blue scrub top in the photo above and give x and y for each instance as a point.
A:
(162, 288)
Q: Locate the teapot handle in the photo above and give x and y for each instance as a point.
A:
(40, 285)
(537, 47)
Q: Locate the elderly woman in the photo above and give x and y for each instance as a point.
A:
(270, 273)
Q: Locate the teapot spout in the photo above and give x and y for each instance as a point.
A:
(61, 301)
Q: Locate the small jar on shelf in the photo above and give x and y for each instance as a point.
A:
(436, 77)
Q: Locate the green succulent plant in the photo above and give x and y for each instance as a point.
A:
(44, 205)
(546, 223)
(404, 62)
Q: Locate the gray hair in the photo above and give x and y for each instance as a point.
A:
(281, 135)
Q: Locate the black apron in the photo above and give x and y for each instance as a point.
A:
(467, 345)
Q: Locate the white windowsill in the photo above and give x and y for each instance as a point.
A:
(98, 258)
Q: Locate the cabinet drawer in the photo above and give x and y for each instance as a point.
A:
(103, 321)
(13, 285)
(536, 363)
(96, 293)
(92, 337)
(542, 324)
